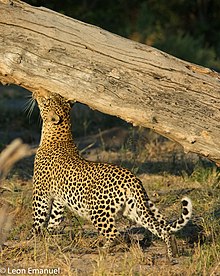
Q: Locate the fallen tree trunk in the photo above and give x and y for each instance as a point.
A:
(44, 50)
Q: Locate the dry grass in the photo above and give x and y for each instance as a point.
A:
(8, 157)
(76, 252)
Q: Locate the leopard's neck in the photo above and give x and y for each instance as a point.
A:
(56, 134)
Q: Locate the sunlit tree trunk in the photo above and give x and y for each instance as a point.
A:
(44, 50)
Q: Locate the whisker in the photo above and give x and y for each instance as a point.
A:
(29, 107)
(27, 104)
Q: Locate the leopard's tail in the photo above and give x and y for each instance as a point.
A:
(180, 222)
(184, 217)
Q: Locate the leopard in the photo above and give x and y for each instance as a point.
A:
(100, 192)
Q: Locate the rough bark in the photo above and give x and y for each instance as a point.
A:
(44, 50)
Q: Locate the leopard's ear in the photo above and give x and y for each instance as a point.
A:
(71, 102)
(53, 117)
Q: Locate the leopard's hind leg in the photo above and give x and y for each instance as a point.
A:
(56, 216)
(105, 224)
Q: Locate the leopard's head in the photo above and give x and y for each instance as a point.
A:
(54, 109)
